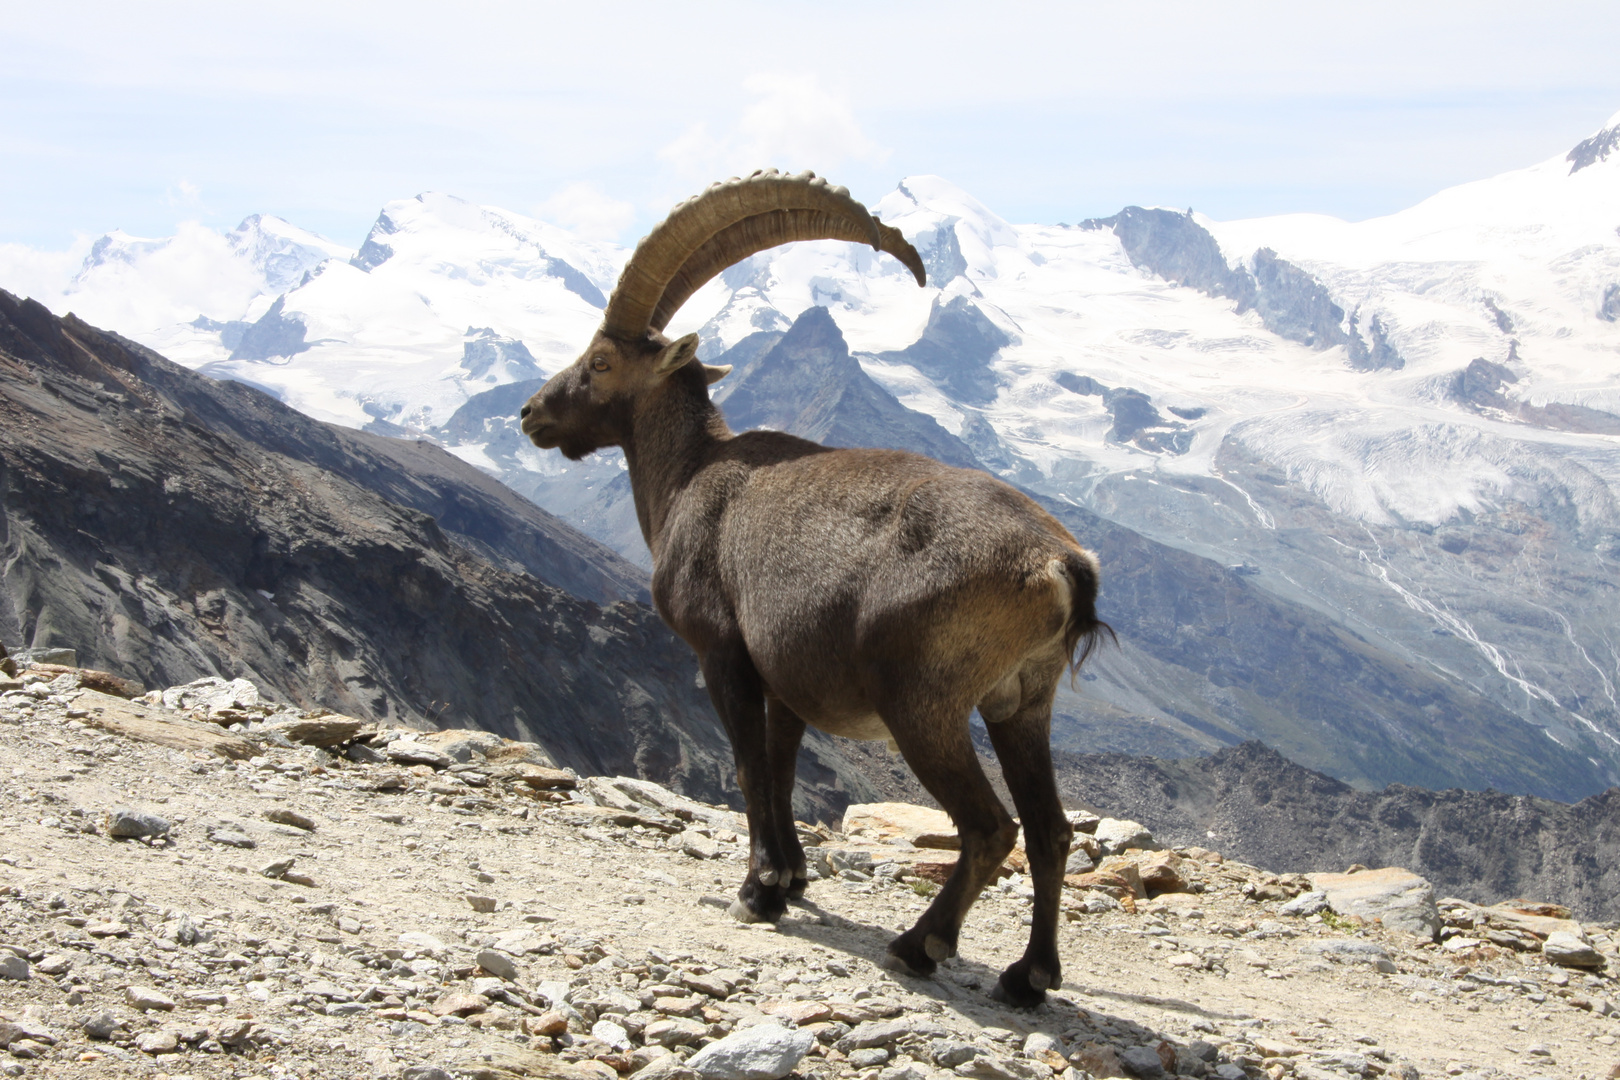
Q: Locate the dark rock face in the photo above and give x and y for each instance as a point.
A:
(1501, 318)
(1294, 305)
(941, 253)
(1178, 249)
(1609, 310)
(1264, 809)
(230, 333)
(374, 252)
(575, 282)
(1592, 150)
(807, 383)
(1379, 355)
(955, 350)
(275, 334)
(169, 526)
(1084, 385)
(1480, 386)
(485, 348)
(1137, 421)
(1291, 303)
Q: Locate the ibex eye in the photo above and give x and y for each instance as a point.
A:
(598, 364)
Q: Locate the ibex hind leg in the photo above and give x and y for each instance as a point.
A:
(784, 733)
(739, 697)
(940, 751)
(1023, 745)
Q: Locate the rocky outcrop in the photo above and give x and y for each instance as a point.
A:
(1482, 385)
(1374, 353)
(955, 350)
(1591, 150)
(1177, 248)
(274, 334)
(168, 526)
(1290, 302)
(484, 349)
(807, 383)
(1294, 305)
(1256, 805)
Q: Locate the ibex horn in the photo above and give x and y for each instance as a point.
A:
(725, 225)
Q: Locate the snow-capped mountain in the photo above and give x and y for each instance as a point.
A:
(1408, 427)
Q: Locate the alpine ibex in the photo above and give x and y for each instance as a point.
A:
(873, 593)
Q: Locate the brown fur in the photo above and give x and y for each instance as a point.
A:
(870, 593)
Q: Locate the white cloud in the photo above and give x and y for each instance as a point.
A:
(185, 193)
(794, 123)
(587, 211)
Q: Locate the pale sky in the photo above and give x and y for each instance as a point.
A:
(599, 116)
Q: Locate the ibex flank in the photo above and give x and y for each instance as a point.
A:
(872, 593)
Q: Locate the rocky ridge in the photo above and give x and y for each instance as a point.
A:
(231, 888)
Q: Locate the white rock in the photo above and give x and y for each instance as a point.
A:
(1117, 834)
(611, 1034)
(13, 967)
(422, 943)
(766, 1052)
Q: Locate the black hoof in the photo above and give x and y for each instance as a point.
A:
(764, 903)
(910, 953)
(1024, 985)
(797, 887)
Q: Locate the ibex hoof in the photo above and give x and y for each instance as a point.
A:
(938, 948)
(743, 913)
(894, 963)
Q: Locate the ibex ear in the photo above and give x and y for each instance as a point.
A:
(713, 373)
(676, 355)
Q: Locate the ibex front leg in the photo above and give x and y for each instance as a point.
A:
(739, 697)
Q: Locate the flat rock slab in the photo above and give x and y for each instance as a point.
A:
(1398, 898)
(133, 721)
(321, 731)
(922, 826)
(90, 679)
(763, 1052)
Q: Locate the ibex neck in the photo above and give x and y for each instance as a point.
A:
(670, 434)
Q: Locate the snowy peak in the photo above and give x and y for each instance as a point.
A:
(281, 251)
(1595, 148)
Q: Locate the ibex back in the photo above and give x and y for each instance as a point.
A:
(872, 593)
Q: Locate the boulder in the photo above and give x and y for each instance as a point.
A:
(1161, 873)
(883, 822)
(1117, 834)
(1570, 950)
(322, 731)
(104, 682)
(416, 752)
(1398, 898)
(124, 823)
(212, 693)
(763, 1052)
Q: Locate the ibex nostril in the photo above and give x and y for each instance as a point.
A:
(524, 414)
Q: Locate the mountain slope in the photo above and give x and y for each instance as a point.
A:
(1404, 426)
(168, 526)
(1253, 804)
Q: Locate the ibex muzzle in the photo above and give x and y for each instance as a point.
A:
(872, 593)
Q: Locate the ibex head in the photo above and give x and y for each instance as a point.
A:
(589, 404)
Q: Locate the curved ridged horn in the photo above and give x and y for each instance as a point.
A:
(752, 235)
(726, 224)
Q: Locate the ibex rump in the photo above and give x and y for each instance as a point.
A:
(872, 593)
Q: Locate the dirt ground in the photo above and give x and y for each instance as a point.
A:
(307, 975)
